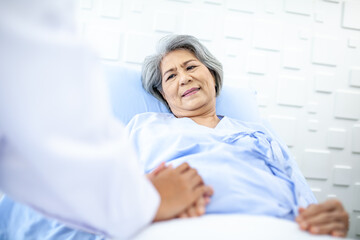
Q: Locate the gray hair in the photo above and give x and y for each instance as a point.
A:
(151, 72)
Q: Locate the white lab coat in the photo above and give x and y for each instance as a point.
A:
(61, 151)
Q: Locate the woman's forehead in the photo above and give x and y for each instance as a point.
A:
(178, 56)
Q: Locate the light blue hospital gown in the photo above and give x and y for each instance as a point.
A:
(250, 171)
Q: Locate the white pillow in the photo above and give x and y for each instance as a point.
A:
(128, 98)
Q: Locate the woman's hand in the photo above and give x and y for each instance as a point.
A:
(156, 171)
(198, 208)
(178, 188)
(195, 210)
(329, 217)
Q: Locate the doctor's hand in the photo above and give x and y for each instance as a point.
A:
(179, 188)
(328, 217)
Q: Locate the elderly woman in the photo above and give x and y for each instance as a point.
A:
(250, 171)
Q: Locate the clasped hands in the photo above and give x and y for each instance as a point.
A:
(184, 194)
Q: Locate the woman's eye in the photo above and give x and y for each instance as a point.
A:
(171, 76)
(190, 67)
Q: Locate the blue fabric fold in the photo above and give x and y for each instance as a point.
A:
(19, 222)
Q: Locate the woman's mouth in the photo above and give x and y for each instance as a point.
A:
(190, 92)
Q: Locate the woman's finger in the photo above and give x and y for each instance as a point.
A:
(337, 233)
(315, 209)
(191, 211)
(159, 168)
(327, 228)
(183, 168)
(191, 174)
(199, 191)
(200, 206)
(183, 215)
(324, 217)
(208, 192)
(197, 182)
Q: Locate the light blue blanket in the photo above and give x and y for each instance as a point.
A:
(250, 171)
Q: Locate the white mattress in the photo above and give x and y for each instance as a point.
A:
(227, 227)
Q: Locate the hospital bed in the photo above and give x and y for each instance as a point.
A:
(127, 99)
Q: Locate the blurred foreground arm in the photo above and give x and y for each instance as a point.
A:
(61, 151)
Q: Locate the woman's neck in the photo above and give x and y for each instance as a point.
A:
(210, 121)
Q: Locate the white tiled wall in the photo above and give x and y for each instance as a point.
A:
(302, 57)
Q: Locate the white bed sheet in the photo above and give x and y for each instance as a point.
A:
(228, 227)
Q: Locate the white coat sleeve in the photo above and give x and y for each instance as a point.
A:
(61, 151)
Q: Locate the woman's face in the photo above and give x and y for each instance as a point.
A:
(187, 84)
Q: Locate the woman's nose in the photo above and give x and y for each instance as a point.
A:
(184, 78)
